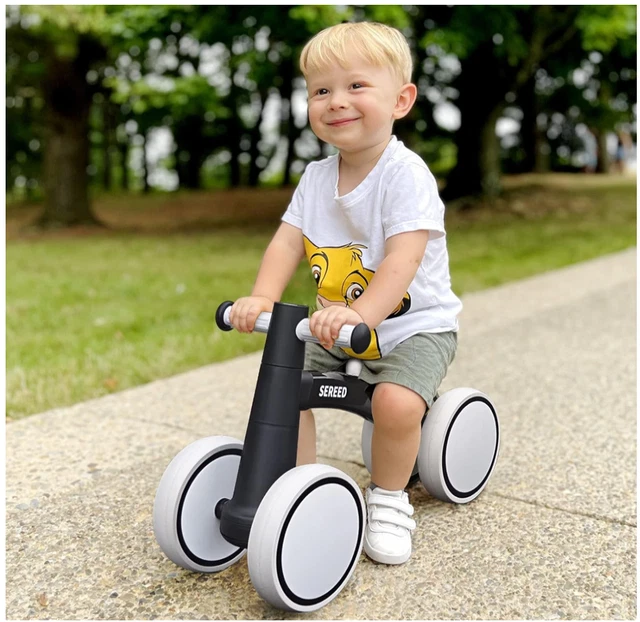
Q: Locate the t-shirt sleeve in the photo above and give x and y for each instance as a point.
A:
(293, 215)
(411, 202)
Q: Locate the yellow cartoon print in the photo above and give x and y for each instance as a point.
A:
(341, 279)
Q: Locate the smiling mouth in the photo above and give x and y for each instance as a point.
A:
(341, 122)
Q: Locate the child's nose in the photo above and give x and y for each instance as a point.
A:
(337, 100)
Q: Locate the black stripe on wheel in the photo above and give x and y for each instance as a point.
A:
(354, 558)
(450, 487)
(192, 556)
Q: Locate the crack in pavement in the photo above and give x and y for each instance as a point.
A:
(360, 465)
(171, 426)
(548, 506)
(541, 504)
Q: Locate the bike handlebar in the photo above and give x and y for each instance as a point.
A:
(357, 338)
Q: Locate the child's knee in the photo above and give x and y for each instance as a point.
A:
(396, 407)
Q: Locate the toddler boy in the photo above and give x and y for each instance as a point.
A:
(371, 224)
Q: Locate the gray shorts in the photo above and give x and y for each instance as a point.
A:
(419, 363)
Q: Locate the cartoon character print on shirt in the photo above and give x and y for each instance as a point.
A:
(341, 279)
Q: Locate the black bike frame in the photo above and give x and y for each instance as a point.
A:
(283, 389)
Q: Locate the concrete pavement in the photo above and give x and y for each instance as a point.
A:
(552, 537)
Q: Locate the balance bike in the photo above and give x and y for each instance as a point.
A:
(303, 527)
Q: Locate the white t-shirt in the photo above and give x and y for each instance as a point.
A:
(345, 237)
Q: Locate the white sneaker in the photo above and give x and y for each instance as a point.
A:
(387, 537)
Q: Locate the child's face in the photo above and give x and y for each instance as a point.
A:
(353, 109)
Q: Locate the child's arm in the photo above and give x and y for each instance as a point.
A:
(403, 255)
(280, 260)
(282, 257)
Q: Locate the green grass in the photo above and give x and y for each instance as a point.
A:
(500, 247)
(91, 315)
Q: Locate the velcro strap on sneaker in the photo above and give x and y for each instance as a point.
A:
(391, 502)
(381, 515)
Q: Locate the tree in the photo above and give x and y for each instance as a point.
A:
(269, 46)
(257, 48)
(500, 48)
(580, 87)
(140, 67)
(73, 40)
(62, 36)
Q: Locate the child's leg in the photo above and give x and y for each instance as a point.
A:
(397, 414)
(316, 358)
(306, 438)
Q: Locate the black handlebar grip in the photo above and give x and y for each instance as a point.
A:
(220, 315)
(360, 338)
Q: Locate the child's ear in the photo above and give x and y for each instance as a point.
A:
(406, 99)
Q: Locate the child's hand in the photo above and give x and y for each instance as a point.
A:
(245, 312)
(325, 325)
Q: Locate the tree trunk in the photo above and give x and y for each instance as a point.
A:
(124, 159)
(293, 134)
(288, 127)
(28, 119)
(107, 129)
(66, 146)
(603, 165)
(477, 169)
(603, 153)
(189, 137)
(121, 140)
(541, 152)
(145, 172)
(254, 150)
(534, 142)
(234, 135)
(528, 127)
(490, 169)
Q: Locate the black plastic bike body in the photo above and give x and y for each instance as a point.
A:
(283, 389)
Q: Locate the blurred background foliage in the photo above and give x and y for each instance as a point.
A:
(112, 99)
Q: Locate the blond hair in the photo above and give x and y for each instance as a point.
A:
(378, 44)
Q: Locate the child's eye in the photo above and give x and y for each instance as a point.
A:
(356, 85)
(321, 92)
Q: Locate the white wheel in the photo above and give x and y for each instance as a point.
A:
(184, 520)
(367, 434)
(306, 537)
(459, 446)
